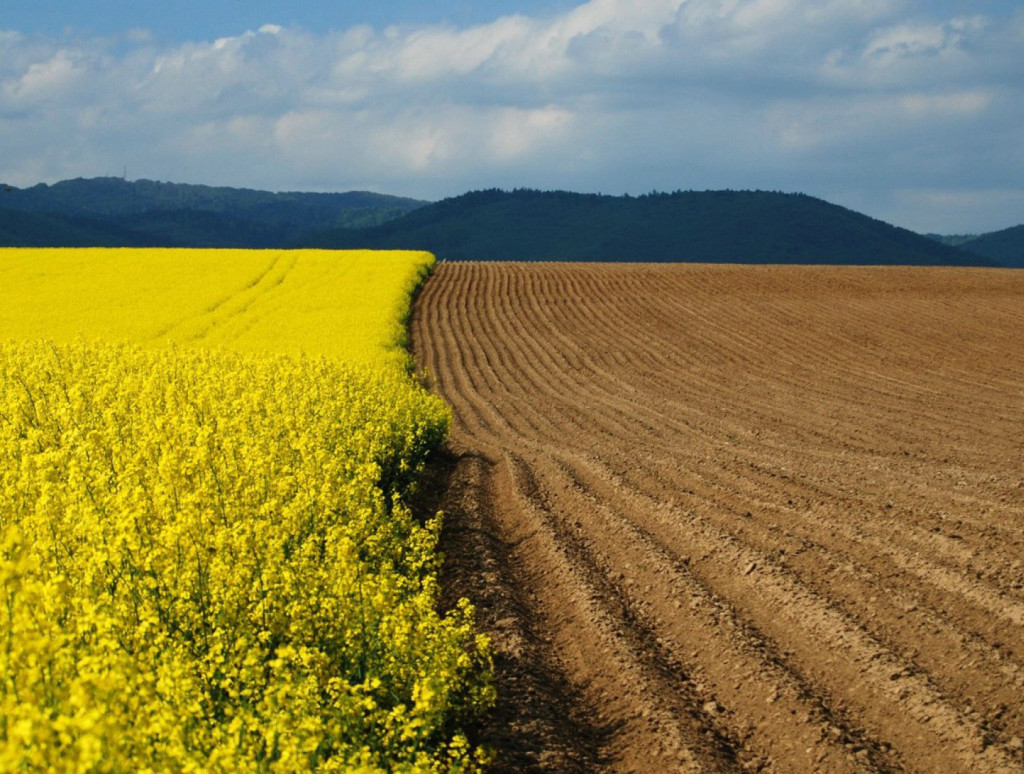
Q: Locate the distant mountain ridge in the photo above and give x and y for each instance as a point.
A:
(115, 212)
(524, 224)
(688, 226)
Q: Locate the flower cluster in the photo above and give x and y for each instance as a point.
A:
(206, 564)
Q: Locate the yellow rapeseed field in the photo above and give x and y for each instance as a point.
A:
(207, 562)
(341, 304)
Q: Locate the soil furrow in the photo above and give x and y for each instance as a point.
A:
(738, 518)
(843, 659)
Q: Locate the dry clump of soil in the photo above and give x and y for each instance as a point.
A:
(724, 518)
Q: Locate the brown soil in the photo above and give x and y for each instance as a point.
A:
(738, 518)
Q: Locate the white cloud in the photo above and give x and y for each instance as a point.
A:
(871, 120)
(46, 80)
(779, 30)
(515, 133)
(841, 98)
(903, 55)
(932, 106)
(438, 53)
(906, 41)
(435, 141)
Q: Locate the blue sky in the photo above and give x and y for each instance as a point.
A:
(907, 110)
(188, 20)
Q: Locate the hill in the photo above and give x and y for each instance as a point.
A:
(953, 240)
(115, 212)
(1005, 247)
(708, 226)
(31, 229)
(525, 225)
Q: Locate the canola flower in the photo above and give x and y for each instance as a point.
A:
(345, 304)
(207, 563)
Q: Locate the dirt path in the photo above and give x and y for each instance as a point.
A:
(738, 518)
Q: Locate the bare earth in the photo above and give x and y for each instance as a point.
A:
(738, 518)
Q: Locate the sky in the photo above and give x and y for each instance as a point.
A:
(911, 111)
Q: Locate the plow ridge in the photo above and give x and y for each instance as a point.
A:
(738, 518)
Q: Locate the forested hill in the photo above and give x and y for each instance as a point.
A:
(1005, 247)
(708, 226)
(521, 225)
(114, 212)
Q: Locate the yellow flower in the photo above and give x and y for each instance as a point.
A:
(206, 562)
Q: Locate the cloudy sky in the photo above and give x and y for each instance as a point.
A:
(908, 110)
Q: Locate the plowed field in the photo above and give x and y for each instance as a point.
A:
(738, 518)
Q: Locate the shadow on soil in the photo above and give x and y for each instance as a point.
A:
(539, 723)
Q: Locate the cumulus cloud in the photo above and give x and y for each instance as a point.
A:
(852, 100)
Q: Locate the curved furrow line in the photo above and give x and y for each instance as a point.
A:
(547, 321)
(640, 373)
(779, 343)
(947, 563)
(647, 714)
(535, 728)
(546, 382)
(895, 702)
(440, 365)
(489, 360)
(738, 668)
(920, 625)
(987, 597)
(491, 357)
(550, 383)
(790, 448)
(587, 322)
(979, 595)
(525, 394)
(590, 378)
(565, 384)
(450, 362)
(865, 522)
(614, 654)
(972, 606)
